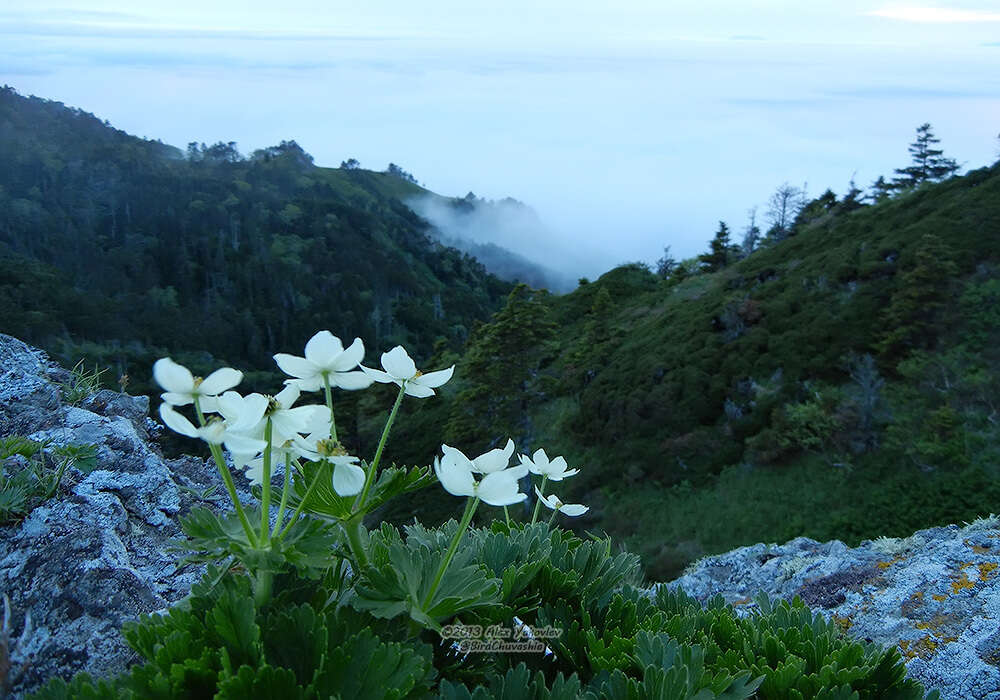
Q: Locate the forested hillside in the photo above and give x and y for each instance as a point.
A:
(839, 382)
(119, 250)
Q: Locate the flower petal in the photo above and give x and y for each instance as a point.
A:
(544, 500)
(499, 489)
(494, 460)
(312, 384)
(295, 366)
(287, 396)
(573, 509)
(176, 422)
(398, 364)
(176, 399)
(173, 377)
(220, 380)
(242, 444)
(418, 391)
(350, 358)
(348, 479)
(351, 381)
(251, 412)
(378, 375)
(323, 348)
(454, 478)
(435, 379)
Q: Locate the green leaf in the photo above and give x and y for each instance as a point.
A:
(363, 666)
(324, 502)
(234, 619)
(404, 582)
(264, 683)
(398, 481)
(297, 639)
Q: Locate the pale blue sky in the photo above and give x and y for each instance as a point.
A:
(627, 125)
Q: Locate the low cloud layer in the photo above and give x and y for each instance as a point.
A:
(506, 235)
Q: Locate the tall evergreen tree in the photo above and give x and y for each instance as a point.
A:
(721, 251)
(499, 369)
(928, 163)
(911, 318)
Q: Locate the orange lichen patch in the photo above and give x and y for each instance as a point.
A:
(844, 623)
(883, 565)
(961, 582)
(912, 604)
(978, 549)
(741, 601)
(987, 569)
(938, 597)
(925, 647)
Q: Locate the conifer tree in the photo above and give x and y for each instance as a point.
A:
(929, 163)
(721, 251)
(912, 317)
(499, 368)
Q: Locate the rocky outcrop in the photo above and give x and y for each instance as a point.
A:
(96, 555)
(934, 595)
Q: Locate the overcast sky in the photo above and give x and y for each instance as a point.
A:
(627, 125)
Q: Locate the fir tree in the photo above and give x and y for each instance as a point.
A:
(911, 319)
(929, 163)
(721, 251)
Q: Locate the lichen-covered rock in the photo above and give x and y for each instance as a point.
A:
(96, 555)
(934, 595)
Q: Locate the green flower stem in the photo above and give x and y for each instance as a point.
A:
(227, 479)
(329, 404)
(262, 587)
(370, 477)
(265, 494)
(354, 528)
(470, 509)
(506, 515)
(284, 496)
(552, 520)
(302, 504)
(538, 501)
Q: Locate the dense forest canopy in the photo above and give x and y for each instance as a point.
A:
(120, 250)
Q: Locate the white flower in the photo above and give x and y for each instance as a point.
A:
(492, 461)
(183, 387)
(348, 477)
(553, 503)
(556, 470)
(287, 421)
(325, 357)
(242, 413)
(215, 432)
(401, 371)
(497, 488)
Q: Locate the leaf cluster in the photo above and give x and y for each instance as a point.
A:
(29, 481)
(373, 635)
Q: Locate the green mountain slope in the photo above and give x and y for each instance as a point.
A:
(840, 383)
(120, 250)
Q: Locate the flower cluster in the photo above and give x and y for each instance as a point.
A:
(269, 435)
(499, 484)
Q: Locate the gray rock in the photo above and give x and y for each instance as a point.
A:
(935, 595)
(95, 556)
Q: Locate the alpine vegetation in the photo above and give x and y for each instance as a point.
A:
(303, 599)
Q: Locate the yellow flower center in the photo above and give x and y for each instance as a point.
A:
(330, 448)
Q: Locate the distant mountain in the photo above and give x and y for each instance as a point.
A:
(118, 250)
